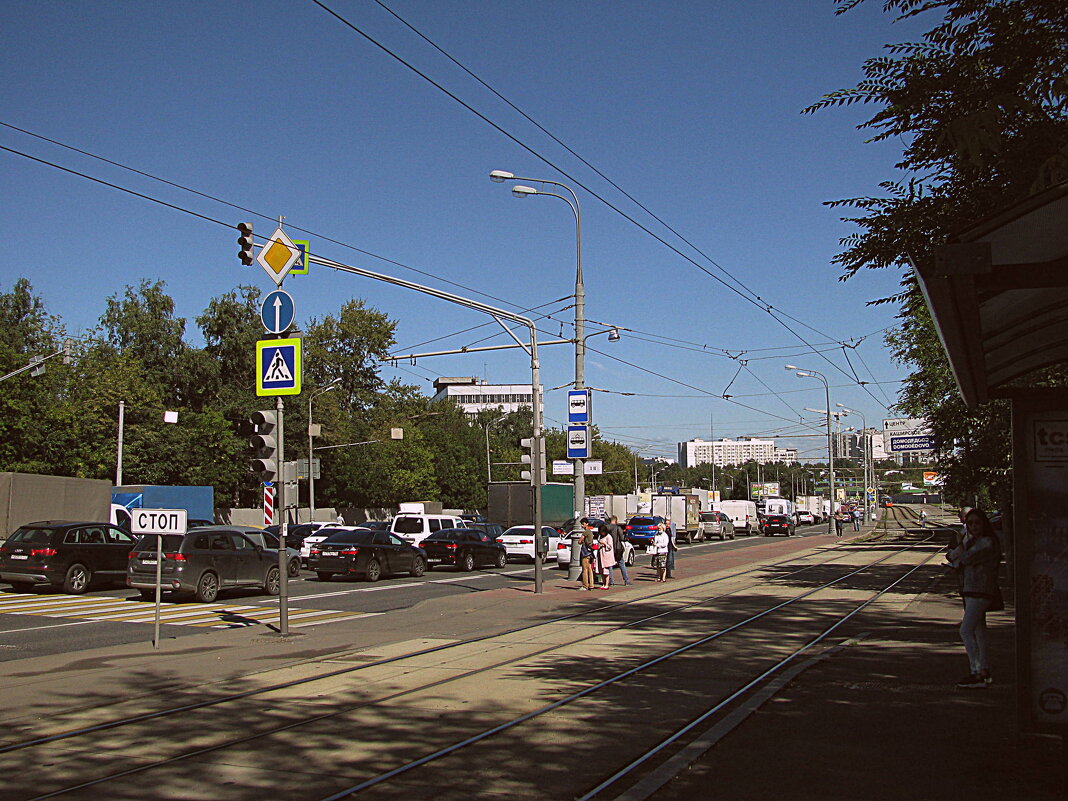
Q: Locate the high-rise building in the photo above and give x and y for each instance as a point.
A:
(733, 451)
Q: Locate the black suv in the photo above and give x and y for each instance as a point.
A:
(203, 561)
(64, 554)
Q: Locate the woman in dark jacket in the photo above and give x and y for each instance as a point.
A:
(977, 557)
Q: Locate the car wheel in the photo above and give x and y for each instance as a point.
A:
(322, 575)
(466, 563)
(207, 588)
(148, 595)
(418, 566)
(502, 560)
(373, 571)
(21, 586)
(732, 535)
(272, 584)
(77, 580)
(294, 568)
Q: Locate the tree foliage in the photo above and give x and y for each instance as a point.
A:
(980, 107)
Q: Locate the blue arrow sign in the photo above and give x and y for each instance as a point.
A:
(277, 311)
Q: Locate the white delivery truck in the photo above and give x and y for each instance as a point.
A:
(742, 513)
(811, 503)
(684, 511)
(778, 506)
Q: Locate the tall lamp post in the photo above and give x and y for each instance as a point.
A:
(500, 176)
(311, 446)
(867, 454)
(830, 448)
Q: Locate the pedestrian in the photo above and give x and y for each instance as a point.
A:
(659, 550)
(976, 558)
(838, 524)
(586, 554)
(923, 518)
(856, 519)
(606, 555)
(621, 546)
(672, 547)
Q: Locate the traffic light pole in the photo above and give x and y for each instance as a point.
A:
(283, 555)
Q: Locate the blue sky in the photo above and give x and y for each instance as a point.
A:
(693, 108)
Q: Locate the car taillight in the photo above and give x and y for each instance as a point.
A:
(177, 557)
(315, 552)
(43, 552)
(561, 546)
(130, 555)
(451, 546)
(628, 528)
(526, 542)
(349, 552)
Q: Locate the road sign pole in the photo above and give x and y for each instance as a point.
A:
(159, 587)
(283, 555)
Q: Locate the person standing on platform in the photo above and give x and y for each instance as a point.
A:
(838, 521)
(977, 557)
(856, 519)
(672, 547)
(606, 555)
(619, 540)
(659, 550)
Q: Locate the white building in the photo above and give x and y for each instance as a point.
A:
(733, 451)
(474, 396)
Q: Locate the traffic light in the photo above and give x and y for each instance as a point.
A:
(245, 241)
(528, 444)
(265, 461)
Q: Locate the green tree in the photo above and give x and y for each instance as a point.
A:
(980, 105)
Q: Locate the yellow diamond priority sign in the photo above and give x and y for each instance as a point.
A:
(278, 255)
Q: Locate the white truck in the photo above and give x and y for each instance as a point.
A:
(742, 513)
(774, 505)
(813, 504)
(684, 511)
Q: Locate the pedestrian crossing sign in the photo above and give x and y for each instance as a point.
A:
(278, 366)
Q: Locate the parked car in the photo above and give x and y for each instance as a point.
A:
(414, 527)
(464, 548)
(714, 524)
(805, 517)
(362, 552)
(375, 525)
(64, 554)
(641, 529)
(203, 561)
(519, 541)
(269, 541)
(319, 535)
(494, 530)
(770, 525)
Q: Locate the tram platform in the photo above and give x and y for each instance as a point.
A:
(875, 718)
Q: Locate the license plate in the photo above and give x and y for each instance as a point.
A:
(19, 556)
(148, 561)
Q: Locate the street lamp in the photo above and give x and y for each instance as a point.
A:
(571, 199)
(311, 449)
(867, 455)
(830, 449)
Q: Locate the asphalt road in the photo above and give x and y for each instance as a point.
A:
(50, 622)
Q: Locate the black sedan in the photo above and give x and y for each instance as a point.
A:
(770, 525)
(65, 555)
(464, 548)
(365, 553)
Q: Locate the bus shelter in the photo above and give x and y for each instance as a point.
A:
(998, 294)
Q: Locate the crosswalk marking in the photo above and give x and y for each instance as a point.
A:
(215, 615)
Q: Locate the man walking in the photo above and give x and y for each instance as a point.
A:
(856, 519)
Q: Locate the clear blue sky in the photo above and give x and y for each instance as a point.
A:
(692, 107)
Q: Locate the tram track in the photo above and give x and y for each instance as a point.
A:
(365, 706)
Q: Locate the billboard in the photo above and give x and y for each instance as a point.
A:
(907, 435)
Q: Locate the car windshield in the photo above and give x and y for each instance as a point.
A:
(642, 521)
(32, 536)
(519, 530)
(708, 517)
(171, 543)
(361, 537)
(408, 525)
(446, 534)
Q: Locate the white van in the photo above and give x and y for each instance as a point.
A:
(742, 513)
(413, 527)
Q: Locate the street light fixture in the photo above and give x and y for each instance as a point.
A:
(830, 448)
(500, 176)
(311, 446)
(867, 457)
